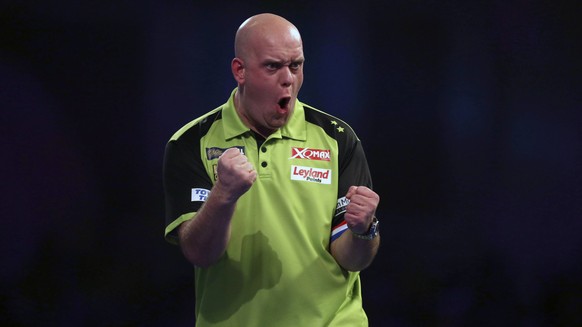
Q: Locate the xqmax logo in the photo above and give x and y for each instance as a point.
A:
(309, 154)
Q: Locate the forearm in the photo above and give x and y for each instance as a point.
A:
(354, 254)
(204, 238)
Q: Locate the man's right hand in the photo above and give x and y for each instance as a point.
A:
(235, 174)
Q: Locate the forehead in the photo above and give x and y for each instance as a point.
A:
(278, 53)
(279, 46)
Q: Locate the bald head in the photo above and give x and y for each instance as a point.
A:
(268, 69)
(260, 28)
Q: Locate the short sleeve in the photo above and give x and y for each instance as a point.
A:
(186, 183)
(353, 171)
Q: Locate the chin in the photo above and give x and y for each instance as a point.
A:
(276, 124)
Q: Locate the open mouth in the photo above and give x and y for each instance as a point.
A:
(283, 102)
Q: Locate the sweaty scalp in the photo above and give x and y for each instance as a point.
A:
(261, 27)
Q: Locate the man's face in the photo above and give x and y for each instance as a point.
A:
(273, 75)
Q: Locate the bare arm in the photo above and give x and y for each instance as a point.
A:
(204, 238)
(352, 253)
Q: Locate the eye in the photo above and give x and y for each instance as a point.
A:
(272, 66)
(295, 65)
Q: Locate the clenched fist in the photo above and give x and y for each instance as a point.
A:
(235, 173)
(361, 209)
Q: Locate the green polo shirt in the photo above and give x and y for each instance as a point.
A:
(277, 269)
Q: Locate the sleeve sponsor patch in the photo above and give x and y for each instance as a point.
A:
(199, 195)
(342, 203)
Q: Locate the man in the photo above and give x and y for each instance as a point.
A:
(269, 198)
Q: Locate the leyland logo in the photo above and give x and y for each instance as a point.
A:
(310, 154)
(310, 174)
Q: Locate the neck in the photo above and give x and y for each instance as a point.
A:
(241, 111)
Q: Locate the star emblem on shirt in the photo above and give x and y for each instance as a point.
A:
(339, 128)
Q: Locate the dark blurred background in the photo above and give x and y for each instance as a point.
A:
(469, 112)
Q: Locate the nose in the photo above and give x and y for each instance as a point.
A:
(287, 77)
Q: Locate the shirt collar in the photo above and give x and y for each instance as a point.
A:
(234, 126)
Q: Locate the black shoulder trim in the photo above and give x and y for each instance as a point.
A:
(336, 128)
(333, 126)
(200, 128)
(321, 119)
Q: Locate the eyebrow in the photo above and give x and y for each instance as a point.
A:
(283, 62)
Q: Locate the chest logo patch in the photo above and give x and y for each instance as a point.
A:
(309, 154)
(215, 153)
(310, 174)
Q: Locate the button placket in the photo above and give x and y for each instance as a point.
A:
(263, 157)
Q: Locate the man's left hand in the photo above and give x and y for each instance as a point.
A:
(361, 209)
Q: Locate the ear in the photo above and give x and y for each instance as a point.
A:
(238, 70)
